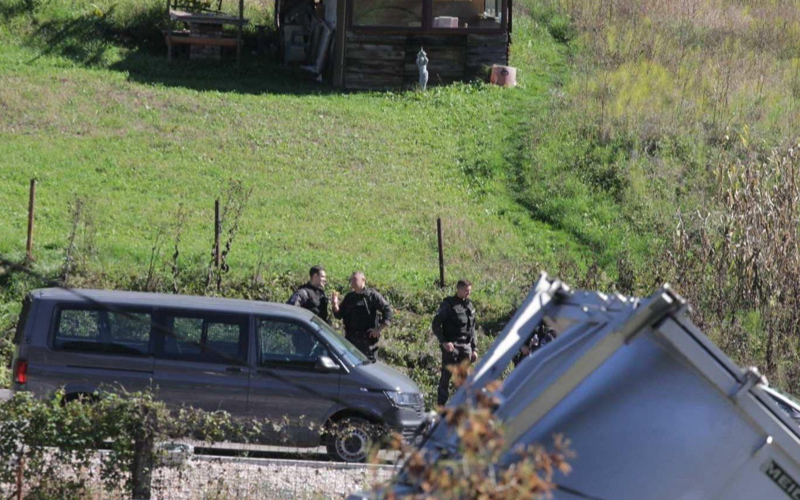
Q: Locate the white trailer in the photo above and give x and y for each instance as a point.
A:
(653, 408)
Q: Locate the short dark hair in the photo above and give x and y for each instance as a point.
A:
(315, 270)
(463, 284)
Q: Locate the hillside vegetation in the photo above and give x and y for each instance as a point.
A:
(625, 114)
(695, 105)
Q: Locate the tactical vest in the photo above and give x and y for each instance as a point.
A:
(317, 301)
(459, 327)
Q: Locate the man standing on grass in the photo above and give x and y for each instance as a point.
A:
(454, 327)
(365, 314)
(312, 296)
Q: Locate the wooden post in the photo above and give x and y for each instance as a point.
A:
(20, 468)
(339, 48)
(169, 33)
(239, 36)
(216, 234)
(441, 252)
(31, 205)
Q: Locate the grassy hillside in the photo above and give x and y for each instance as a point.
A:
(624, 112)
(89, 106)
(688, 115)
(352, 180)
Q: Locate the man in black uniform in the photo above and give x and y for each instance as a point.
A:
(312, 296)
(541, 336)
(359, 311)
(454, 327)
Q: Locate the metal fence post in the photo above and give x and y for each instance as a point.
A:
(216, 234)
(441, 252)
(31, 206)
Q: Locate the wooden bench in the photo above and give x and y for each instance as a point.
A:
(183, 37)
(208, 19)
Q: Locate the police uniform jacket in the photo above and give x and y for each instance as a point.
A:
(360, 311)
(455, 322)
(312, 298)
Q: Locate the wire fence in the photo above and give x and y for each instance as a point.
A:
(197, 477)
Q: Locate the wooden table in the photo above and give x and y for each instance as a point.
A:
(202, 21)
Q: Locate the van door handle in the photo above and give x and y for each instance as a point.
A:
(233, 369)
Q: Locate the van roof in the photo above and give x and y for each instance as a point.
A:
(169, 301)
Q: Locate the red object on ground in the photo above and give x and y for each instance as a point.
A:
(505, 76)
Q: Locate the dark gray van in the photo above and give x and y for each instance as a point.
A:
(249, 358)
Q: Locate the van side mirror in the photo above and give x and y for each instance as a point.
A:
(326, 365)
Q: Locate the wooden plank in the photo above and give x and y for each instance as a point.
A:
(366, 52)
(371, 75)
(376, 39)
(386, 47)
(474, 39)
(493, 59)
(373, 85)
(374, 75)
(442, 58)
(205, 18)
(365, 55)
(175, 32)
(388, 51)
(374, 66)
(193, 40)
(489, 50)
(486, 55)
(440, 65)
(436, 41)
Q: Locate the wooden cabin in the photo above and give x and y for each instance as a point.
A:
(373, 44)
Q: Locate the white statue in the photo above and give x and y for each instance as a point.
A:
(422, 64)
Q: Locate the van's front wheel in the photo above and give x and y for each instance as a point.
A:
(351, 439)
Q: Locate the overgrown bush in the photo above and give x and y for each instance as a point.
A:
(53, 443)
(476, 470)
(738, 260)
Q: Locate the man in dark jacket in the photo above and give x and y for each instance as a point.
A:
(312, 296)
(541, 336)
(454, 328)
(365, 314)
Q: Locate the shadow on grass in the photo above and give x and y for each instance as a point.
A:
(134, 44)
(84, 39)
(256, 75)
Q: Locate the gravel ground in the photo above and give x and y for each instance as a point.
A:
(207, 478)
(224, 478)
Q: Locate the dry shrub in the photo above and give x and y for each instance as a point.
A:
(739, 262)
(480, 469)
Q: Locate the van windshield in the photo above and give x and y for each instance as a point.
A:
(340, 345)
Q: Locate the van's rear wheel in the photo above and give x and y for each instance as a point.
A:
(350, 440)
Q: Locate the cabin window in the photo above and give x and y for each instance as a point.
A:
(474, 14)
(388, 13)
(422, 15)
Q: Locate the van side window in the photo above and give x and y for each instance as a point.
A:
(102, 331)
(207, 339)
(131, 329)
(287, 342)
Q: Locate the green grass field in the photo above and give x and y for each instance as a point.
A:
(352, 181)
